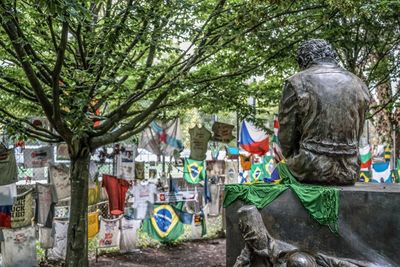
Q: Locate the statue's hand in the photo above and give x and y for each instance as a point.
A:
(278, 155)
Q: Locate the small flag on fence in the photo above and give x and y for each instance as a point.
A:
(194, 171)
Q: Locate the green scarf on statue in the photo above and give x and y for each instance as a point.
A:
(321, 202)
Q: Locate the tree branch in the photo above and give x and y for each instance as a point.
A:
(130, 125)
(9, 26)
(56, 77)
(35, 129)
(19, 94)
(119, 113)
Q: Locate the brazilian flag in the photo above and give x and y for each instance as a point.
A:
(194, 171)
(396, 173)
(365, 176)
(164, 224)
(257, 173)
(269, 166)
(271, 174)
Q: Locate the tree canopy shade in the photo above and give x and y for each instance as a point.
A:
(131, 60)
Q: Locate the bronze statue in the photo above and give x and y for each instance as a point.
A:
(261, 249)
(321, 115)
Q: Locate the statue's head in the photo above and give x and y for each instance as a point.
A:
(313, 50)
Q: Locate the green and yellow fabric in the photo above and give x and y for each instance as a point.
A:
(194, 171)
(164, 224)
(257, 173)
(321, 202)
(365, 176)
(396, 173)
(270, 171)
(387, 154)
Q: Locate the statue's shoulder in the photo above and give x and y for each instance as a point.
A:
(296, 79)
(361, 84)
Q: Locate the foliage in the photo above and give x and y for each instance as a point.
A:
(132, 60)
(367, 37)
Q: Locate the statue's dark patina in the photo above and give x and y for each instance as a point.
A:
(260, 246)
(321, 115)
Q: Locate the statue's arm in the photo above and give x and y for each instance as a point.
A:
(289, 136)
(365, 109)
(244, 259)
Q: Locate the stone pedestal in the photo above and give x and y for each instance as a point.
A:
(369, 225)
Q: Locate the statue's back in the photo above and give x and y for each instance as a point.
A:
(332, 104)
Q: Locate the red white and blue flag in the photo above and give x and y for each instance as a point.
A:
(162, 138)
(253, 139)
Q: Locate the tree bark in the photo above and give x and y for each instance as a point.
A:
(77, 245)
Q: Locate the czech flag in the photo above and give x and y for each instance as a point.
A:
(253, 139)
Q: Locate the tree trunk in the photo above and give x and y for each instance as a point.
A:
(77, 245)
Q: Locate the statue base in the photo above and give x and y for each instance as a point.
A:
(369, 225)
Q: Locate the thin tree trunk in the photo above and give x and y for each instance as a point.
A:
(77, 246)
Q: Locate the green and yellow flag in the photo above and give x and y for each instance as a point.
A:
(396, 172)
(257, 173)
(194, 171)
(164, 224)
(365, 176)
(387, 154)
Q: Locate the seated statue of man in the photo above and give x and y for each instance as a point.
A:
(321, 115)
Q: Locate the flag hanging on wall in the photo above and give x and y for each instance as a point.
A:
(162, 138)
(271, 174)
(365, 156)
(381, 172)
(194, 171)
(365, 176)
(164, 224)
(245, 162)
(387, 154)
(253, 139)
(257, 173)
(269, 166)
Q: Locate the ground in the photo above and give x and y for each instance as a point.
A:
(205, 253)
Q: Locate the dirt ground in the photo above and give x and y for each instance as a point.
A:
(204, 253)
